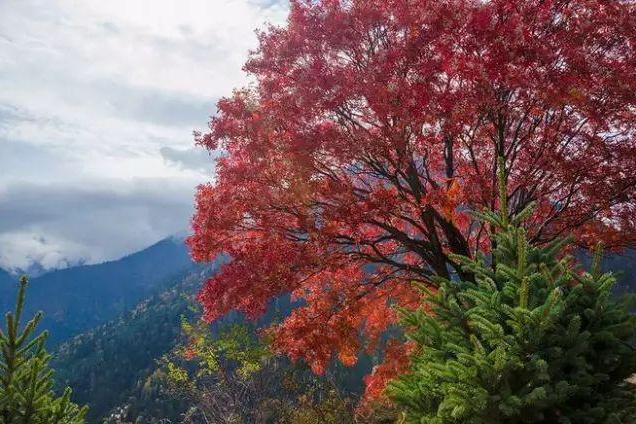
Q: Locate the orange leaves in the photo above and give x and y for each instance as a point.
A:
(340, 318)
(189, 353)
(348, 356)
(314, 331)
(450, 199)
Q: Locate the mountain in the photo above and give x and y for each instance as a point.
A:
(80, 298)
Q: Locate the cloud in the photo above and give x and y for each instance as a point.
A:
(24, 252)
(54, 225)
(196, 158)
(98, 101)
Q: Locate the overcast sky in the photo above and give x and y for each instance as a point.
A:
(98, 101)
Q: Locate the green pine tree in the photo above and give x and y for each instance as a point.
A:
(26, 396)
(532, 339)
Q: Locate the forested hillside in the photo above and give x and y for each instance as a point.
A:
(115, 365)
(105, 365)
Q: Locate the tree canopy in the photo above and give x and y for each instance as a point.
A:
(374, 125)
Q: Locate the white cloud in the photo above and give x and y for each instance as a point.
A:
(24, 251)
(57, 224)
(95, 93)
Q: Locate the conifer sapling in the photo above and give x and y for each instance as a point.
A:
(531, 339)
(26, 382)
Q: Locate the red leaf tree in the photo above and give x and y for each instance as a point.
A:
(374, 125)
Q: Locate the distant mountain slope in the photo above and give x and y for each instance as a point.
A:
(624, 267)
(80, 298)
(105, 365)
(7, 288)
(5, 277)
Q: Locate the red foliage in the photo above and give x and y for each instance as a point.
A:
(373, 125)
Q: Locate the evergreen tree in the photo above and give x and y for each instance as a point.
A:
(26, 395)
(531, 339)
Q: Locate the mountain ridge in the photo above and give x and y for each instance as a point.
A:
(36, 269)
(79, 298)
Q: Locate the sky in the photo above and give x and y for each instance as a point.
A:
(98, 101)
